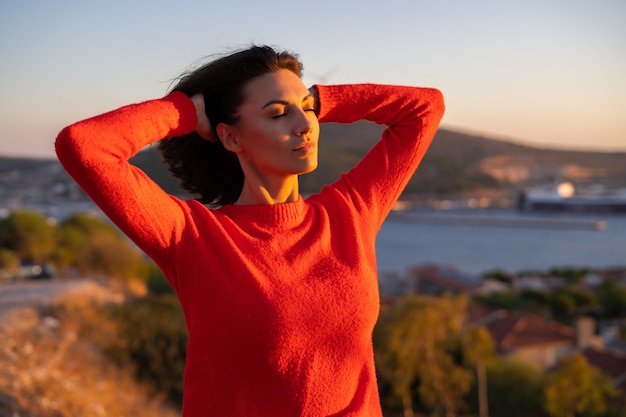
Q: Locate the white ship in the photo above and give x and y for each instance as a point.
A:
(565, 197)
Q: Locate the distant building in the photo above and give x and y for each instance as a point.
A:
(538, 283)
(437, 279)
(542, 343)
(565, 197)
(610, 362)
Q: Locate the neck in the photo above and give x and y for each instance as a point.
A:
(268, 191)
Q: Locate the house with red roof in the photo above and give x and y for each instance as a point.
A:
(540, 342)
(610, 362)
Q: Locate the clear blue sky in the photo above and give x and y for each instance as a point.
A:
(550, 73)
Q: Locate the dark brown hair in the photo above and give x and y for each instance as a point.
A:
(206, 168)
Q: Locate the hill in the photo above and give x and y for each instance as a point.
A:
(457, 163)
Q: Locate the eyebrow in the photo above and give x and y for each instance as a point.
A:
(285, 103)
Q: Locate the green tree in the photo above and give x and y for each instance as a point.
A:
(509, 301)
(88, 224)
(577, 389)
(156, 282)
(499, 275)
(94, 245)
(571, 275)
(563, 304)
(28, 234)
(71, 241)
(515, 389)
(111, 256)
(612, 298)
(76, 232)
(152, 339)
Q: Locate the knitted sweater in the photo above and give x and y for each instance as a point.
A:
(280, 300)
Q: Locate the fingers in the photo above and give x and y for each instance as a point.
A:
(203, 127)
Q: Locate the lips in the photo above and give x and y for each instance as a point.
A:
(307, 147)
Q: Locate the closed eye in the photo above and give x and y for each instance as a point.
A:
(283, 114)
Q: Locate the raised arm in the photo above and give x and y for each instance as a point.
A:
(95, 152)
(412, 115)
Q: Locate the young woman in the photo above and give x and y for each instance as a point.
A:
(279, 292)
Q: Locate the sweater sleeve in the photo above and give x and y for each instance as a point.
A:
(95, 152)
(412, 116)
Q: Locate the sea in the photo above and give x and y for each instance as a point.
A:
(481, 241)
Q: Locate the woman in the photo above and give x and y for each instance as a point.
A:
(280, 293)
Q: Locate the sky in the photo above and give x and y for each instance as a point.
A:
(545, 73)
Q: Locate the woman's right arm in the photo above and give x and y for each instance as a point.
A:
(95, 152)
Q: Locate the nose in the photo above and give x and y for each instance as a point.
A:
(305, 123)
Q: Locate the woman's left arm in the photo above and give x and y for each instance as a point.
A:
(412, 116)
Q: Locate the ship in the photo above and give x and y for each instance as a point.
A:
(565, 197)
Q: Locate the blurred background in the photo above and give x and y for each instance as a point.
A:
(512, 231)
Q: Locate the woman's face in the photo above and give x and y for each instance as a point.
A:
(277, 131)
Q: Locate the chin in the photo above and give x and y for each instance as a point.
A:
(307, 171)
(310, 168)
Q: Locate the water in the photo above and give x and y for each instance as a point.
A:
(479, 248)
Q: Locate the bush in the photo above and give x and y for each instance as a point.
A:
(156, 282)
(28, 234)
(515, 389)
(49, 368)
(153, 340)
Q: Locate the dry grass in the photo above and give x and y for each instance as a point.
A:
(47, 370)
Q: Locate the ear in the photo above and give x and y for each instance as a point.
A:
(229, 137)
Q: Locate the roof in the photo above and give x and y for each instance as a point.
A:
(479, 314)
(513, 331)
(610, 362)
(445, 276)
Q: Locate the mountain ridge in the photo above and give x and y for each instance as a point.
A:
(456, 163)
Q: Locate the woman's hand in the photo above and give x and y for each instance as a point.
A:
(316, 99)
(203, 128)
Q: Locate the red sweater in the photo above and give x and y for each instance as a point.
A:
(280, 300)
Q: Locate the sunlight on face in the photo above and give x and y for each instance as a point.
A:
(278, 130)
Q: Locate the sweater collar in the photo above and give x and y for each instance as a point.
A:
(267, 213)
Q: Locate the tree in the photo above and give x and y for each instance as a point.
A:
(93, 245)
(498, 275)
(109, 255)
(9, 261)
(156, 282)
(28, 234)
(613, 299)
(88, 224)
(575, 388)
(153, 339)
(76, 232)
(477, 349)
(423, 336)
(515, 389)
(563, 304)
(537, 301)
(571, 275)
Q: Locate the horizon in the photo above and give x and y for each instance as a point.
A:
(547, 75)
(479, 135)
